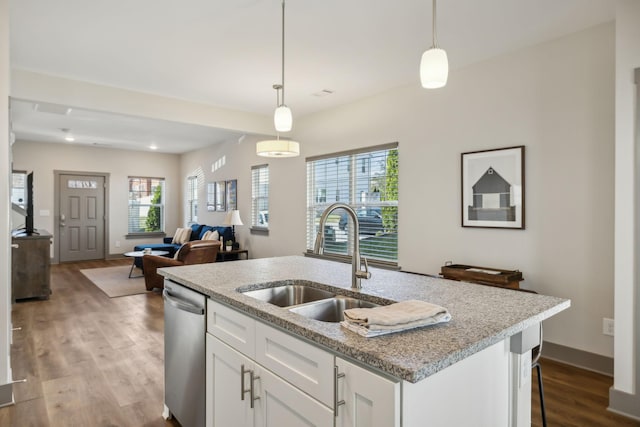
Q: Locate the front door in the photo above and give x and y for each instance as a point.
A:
(81, 224)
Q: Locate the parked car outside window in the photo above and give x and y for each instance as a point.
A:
(263, 218)
(370, 220)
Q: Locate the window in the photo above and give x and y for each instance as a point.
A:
(146, 205)
(366, 180)
(192, 199)
(260, 196)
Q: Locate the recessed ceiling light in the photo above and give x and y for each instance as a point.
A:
(67, 136)
(153, 147)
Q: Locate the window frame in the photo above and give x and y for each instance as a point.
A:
(192, 199)
(258, 172)
(358, 172)
(155, 233)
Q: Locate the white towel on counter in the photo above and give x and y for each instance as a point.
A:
(401, 316)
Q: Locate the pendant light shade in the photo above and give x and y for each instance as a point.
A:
(434, 66)
(283, 119)
(278, 148)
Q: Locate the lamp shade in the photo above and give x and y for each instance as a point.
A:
(233, 218)
(434, 68)
(278, 148)
(283, 119)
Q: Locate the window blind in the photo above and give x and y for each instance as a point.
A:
(367, 181)
(260, 196)
(192, 199)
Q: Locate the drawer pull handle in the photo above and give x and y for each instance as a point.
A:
(253, 378)
(242, 389)
(336, 402)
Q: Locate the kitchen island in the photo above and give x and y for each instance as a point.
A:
(473, 370)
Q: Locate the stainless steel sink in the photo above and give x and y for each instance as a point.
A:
(331, 310)
(288, 295)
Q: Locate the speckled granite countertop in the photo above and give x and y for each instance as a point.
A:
(481, 315)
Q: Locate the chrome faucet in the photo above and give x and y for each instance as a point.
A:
(318, 248)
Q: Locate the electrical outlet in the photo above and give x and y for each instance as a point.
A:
(117, 243)
(607, 326)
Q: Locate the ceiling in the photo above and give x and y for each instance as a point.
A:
(227, 53)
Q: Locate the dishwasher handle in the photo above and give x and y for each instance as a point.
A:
(181, 305)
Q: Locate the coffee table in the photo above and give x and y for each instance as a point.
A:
(140, 254)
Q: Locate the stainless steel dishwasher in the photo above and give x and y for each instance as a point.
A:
(184, 354)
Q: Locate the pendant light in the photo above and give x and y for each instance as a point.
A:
(283, 119)
(278, 147)
(434, 66)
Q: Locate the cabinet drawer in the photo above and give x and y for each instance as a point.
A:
(302, 364)
(232, 327)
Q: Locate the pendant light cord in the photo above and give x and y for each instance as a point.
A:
(282, 52)
(433, 26)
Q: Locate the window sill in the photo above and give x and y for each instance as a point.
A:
(145, 235)
(387, 265)
(262, 231)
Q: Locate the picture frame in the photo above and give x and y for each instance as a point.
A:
(493, 188)
(220, 196)
(211, 196)
(232, 194)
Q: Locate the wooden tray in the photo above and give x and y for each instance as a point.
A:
(483, 275)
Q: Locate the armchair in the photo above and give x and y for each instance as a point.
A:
(194, 252)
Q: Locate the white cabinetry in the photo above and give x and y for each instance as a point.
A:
(241, 393)
(290, 382)
(369, 399)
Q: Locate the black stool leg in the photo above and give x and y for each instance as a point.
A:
(544, 415)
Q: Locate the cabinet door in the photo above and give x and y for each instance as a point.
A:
(224, 406)
(369, 399)
(281, 404)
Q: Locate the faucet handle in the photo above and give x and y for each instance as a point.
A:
(364, 274)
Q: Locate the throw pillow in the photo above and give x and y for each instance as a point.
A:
(182, 236)
(211, 235)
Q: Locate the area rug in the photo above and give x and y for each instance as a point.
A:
(115, 282)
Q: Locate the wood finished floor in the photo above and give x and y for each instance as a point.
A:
(91, 360)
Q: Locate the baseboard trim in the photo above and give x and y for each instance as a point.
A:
(579, 358)
(6, 395)
(624, 404)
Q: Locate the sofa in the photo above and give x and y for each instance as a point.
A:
(193, 252)
(197, 232)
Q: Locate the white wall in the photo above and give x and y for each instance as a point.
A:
(5, 254)
(627, 331)
(557, 99)
(44, 158)
(286, 176)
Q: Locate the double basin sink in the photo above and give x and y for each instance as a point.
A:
(308, 301)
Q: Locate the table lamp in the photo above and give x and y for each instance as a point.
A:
(233, 219)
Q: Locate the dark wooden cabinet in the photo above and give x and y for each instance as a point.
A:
(30, 265)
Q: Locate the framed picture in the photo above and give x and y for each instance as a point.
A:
(220, 196)
(211, 196)
(232, 194)
(493, 188)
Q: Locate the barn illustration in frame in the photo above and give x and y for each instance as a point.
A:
(493, 188)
